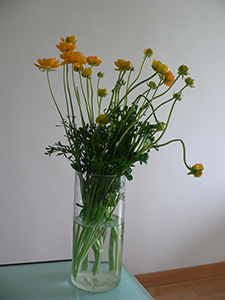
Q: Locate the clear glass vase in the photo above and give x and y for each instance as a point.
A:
(98, 226)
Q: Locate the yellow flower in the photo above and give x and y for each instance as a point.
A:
(189, 81)
(87, 72)
(76, 58)
(68, 44)
(48, 64)
(197, 170)
(123, 65)
(102, 92)
(159, 67)
(169, 78)
(94, 61)
(102, 119)
(183, 70)
(148, 52)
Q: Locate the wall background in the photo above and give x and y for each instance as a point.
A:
(172, 220)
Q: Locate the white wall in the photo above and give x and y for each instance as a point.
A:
(172, 220)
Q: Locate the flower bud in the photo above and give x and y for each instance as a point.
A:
(189, 81)
(160, 126)
(71, 39)
(152, 85)
(87, 73)
(102, 119)
(183, 70)
(177, 96)
(102, 92)
(100, 74)
(148, 52)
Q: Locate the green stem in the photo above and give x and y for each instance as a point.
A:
(92, 101)
(141, 68)
(78, 98)
(85, 98)
(184, 150)
(69, 93)
(65, 93)
(57, 107)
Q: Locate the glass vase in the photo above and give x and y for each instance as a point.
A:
(98, 226)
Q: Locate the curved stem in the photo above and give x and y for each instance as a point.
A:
(184, 150)
(69, 93)
(141, 68)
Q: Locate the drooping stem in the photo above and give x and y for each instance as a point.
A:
(183, 147)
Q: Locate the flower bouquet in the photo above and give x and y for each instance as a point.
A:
(103, 141)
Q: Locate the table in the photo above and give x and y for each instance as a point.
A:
(51, 280)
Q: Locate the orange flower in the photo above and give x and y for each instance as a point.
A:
(48, 64)
(76, 58)
(169, 78)
(123, 65)
(94, 61)
(68, 44)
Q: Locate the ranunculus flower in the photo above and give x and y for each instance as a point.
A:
(87, 72)
(197, 170)
(123, 65)
(93, 61)
(169, 78)
(48, 64)
(68, 44)
(148, 52)
(102, 119)
(76, 58)
(159, 67)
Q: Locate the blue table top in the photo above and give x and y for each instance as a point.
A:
(51, 280)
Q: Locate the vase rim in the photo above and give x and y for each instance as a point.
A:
(98, 175)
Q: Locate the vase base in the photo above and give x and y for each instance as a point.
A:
(102, 282)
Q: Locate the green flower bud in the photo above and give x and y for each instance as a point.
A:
(189, 81)
(100, 74)
(152, 85)
(177, 96)
(183, 70)
(160, 126)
